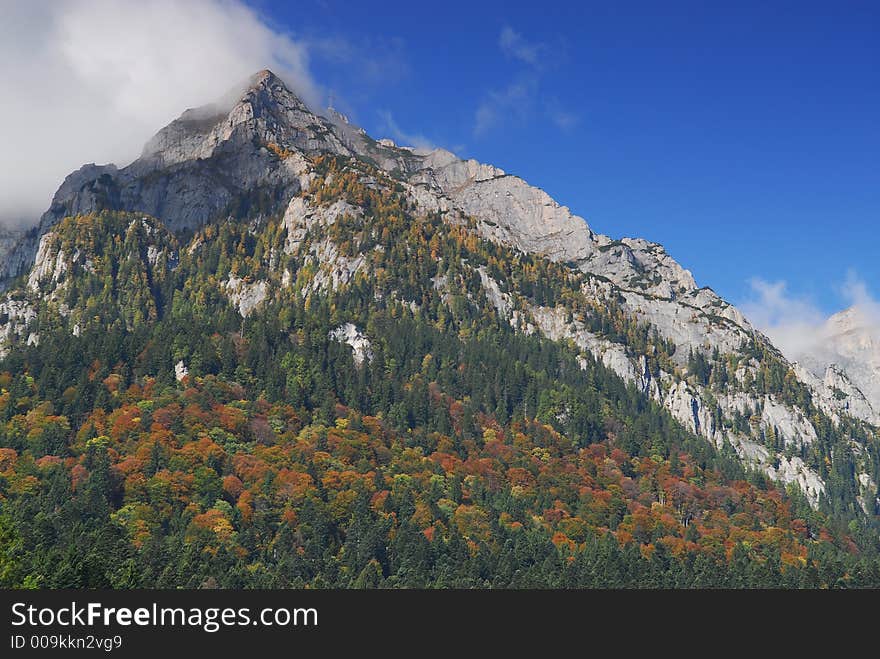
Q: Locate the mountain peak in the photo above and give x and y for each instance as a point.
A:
(849, 343)
(267, 90)
(267, 81)
(857, 317)
(267, 113)
(264, 77)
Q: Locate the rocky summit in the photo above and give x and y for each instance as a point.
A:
(846, 357)
(265, 204)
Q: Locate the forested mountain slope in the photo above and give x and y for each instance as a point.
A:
(275, 352)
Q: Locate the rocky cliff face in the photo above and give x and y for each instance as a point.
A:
(203, 164)
(121, 255)
(722, 379)
(8, 240)
(846, 358)
(17, 251)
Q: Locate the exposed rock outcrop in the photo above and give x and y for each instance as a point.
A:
(361, 347)
(246, 296)
(846, 359)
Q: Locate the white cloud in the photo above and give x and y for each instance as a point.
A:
(564, 119)
(796, 325)
(404, 138)
(790, 322)
(519, 99)
(855, 291)
(514, 101)
(513, 45)
(92, 80)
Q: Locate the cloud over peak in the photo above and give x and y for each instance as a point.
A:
(796, 325)
(94, 79)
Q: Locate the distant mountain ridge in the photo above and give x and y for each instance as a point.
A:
(846, 355)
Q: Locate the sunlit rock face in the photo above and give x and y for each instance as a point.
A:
(846, 358)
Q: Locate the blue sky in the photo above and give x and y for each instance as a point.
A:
(745, 138)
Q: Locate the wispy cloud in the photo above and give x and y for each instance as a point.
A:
(92, 80)
(564, 119)
(522, 97)
(368, 61)
(402, 137)
(516, 101)
(855, 291)
(795, 324)
(790, 321)
(513, 45)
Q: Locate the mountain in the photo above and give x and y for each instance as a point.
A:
(273, 297)
(15, 254)
(846, 356)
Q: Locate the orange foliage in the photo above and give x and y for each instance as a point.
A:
(77, 475)
(245, 506)
(8, 459)
(233, 486)
(292, 484)
(214, 521)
